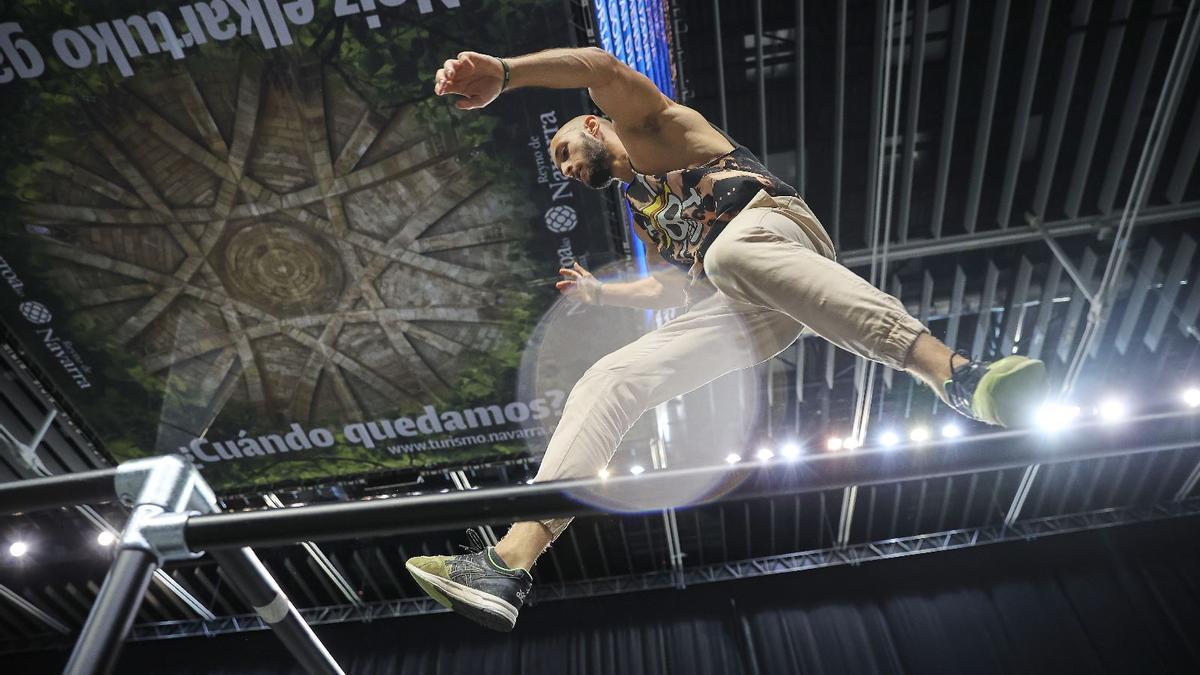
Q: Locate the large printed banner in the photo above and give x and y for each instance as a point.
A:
(245, 230)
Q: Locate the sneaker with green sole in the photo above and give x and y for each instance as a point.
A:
(477, 585)
(1006, 392)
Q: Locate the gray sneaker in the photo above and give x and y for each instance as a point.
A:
(477, 585)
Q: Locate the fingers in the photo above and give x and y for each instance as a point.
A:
(444, 79)
(570, 273)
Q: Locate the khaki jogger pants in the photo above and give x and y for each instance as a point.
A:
(774, 269)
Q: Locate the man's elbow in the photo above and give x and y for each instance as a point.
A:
(606, 66)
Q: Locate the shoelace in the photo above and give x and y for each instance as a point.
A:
(961, 385)
(475, 542)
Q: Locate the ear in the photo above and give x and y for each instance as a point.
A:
(591, 124)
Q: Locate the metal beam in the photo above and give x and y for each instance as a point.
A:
(33, 610)
(949, 115)
(762, 83)
(1184, 252)
(987, 110)
(1062, 105)
(1066, 336)
(1014, 311)
(876, 143)
(1103, 83)
(801, 148)
(839, 104)
(1065, 261)
(1045, 310)
(886, 549)
(1016, 148)
(956, 305)
(921, 19)
(1135, 102)
(1185, 164)
(998, 238)
(1147, 271)
(827, 471)
(716, 9)
(319, 560)
(983, 321)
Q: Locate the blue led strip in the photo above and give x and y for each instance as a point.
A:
(635, 32)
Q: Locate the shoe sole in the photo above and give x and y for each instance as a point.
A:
(485, 609)
(1016, 389)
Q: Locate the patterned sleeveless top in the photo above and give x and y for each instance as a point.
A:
(684, 210)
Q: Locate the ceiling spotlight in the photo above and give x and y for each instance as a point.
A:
(889, 439)
(18, 549)
(951, 431)
(919, 435)
(851, 443)
(1191, 397)
(834, 443)
(790, 451)
(764, 454)
(603, 473)
(637, 469)
(1112, 410)
(1055, 416)
(733, 458)
(105, 538)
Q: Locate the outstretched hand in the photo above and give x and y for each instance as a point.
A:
(479, 78)
(579, 284)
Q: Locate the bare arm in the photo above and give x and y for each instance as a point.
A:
(663, 289)
(655, 128)
(624, 94)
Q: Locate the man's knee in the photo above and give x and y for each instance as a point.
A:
(722, 259)
(610, 382)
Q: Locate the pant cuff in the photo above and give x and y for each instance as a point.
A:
(899, 341)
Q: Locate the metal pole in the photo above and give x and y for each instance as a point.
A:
(1010, 237)
(987, 452)
(256, 585)
(720, 64)
(85, 487)
(762, 83)
(108, 623)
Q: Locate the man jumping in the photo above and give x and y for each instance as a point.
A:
(709, 207)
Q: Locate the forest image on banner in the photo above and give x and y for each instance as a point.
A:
(247, 232)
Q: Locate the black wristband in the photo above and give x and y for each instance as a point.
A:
(507, 74)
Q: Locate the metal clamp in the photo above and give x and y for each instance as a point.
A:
(163, 493)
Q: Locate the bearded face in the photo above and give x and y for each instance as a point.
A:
(597, 161)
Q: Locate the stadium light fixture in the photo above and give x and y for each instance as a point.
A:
(1112, 410)
(1191, 397)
